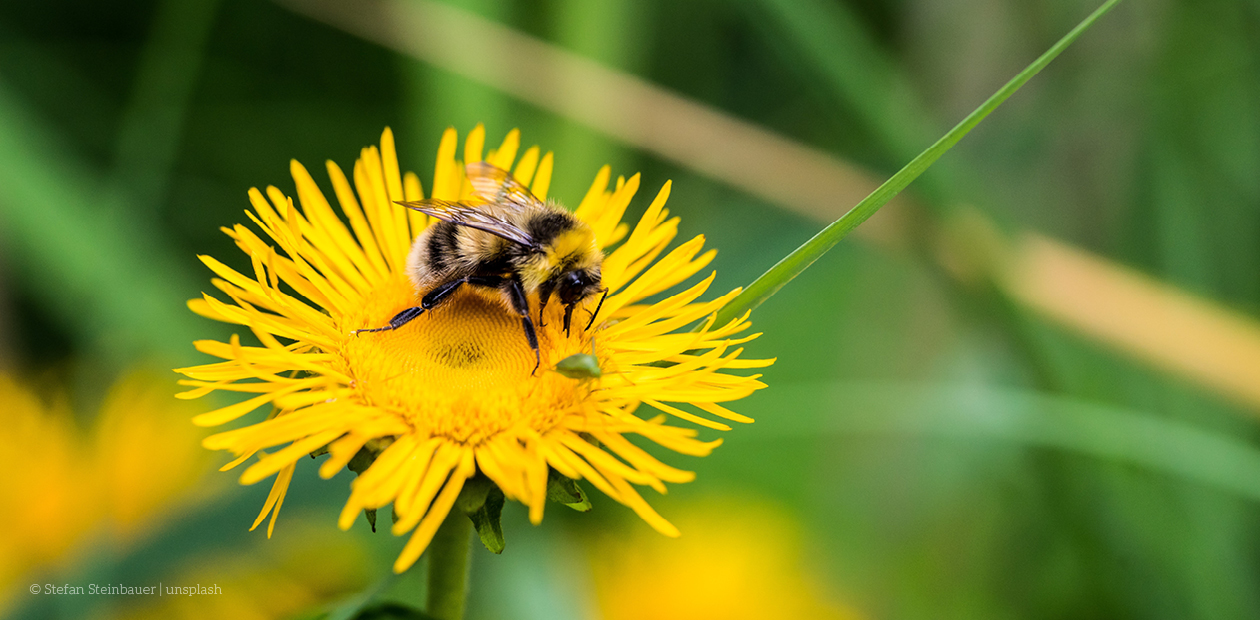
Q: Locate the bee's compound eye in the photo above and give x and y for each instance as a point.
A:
(570, 288)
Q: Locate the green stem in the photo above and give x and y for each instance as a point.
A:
(448, 567)
(801, 258)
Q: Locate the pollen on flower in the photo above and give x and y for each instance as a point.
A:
(453, 394)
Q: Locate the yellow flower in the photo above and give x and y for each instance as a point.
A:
(140, 452)
(743, 561)
(450, 395)
(311, 569)
(58, 486)
(46, 502)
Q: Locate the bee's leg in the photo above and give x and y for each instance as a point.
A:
(520, 303)
(596, 312)
(432, 299)
(400, 319)
(486, 281)
(441, 293)
(544, 294)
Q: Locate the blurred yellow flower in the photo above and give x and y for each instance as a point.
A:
(278, 582)
(58, 485)
(142, 452)
(451, 395)
(738, 561)
(48, 499)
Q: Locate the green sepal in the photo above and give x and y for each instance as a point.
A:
(321, 451)
(580, 366)
(482, 500)
(565, 490)
(488, 521)
(366, 455)
(474, 493)
(362, 460)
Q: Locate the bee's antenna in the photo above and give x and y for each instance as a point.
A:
(596, 312)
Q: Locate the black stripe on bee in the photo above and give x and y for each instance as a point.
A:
(546, 225)
(497, 264)
(443, 244)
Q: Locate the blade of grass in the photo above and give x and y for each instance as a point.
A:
(828, 41)
(624, 107)
(611, 33)
(831, 46)
(780, 171)
(1171, 447)
(152, 125)
(114, 283)
(1151, 320)
(800, 259)
(439, 99)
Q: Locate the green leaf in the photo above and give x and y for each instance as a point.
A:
(488, 521)
(351, 607)
(370, 513)
(800, 259)
(1169, 447)
(392, 611)
(565, 490)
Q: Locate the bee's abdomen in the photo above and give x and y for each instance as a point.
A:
(443, 247)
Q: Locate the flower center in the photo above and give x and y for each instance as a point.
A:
(462, 370)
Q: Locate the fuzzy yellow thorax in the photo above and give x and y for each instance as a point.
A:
(577, 244)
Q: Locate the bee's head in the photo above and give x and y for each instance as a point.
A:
(575, 286)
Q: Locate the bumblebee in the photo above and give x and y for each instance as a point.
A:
(508, 241)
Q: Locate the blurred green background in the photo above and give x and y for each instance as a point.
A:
(941, 451)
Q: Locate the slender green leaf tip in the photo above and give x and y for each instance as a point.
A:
(801, 258)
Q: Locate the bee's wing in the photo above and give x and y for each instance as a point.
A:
(473, 216)
(496, 186)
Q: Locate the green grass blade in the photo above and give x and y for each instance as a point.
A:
(793, 264)
(115, 284)
(842, 55)
(153, 121)
(1023, 418)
